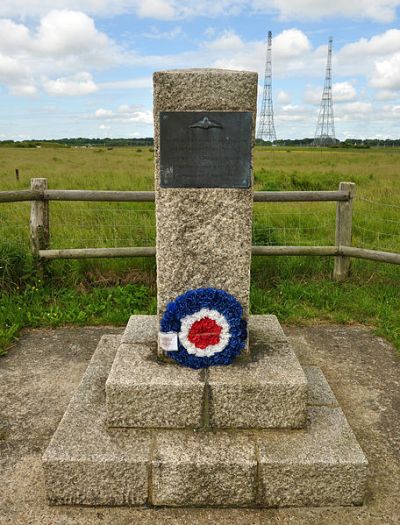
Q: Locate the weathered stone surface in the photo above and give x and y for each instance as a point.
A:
(84, 463)
(268, 392)
(323, 465)
(204, 469)
(141, 329)
(319, 391)
(144, 393)
(265, 332)
(203, 235)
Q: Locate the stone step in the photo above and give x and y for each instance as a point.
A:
(267, 391)
(87, 463)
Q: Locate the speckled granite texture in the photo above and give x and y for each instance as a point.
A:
(144, 393)
(203, 235)
(86, 463)
(267, 391)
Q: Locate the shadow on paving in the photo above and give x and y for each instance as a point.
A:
(41, 373)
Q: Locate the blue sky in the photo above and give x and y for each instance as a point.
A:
(73, 68)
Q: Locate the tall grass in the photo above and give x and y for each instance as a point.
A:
(298, 288)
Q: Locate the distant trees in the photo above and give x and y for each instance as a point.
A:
(82, 142)
(348, 143)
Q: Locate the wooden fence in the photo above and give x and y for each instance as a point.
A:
(40, 195)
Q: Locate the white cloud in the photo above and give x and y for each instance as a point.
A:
(159, 9)
(77, 85)
(103, 113)
(360, 57)
(377, 58)
(134, 83)
(387, 94)
(343, 92)
(24, 90)
(312, 94)
(290, 43)
(125, 113)
(380, 10)
(387, 42)
(228, 41)
(11, 71)
(155, 34)
(295, 113)
(291, 52)
(387, 73)
(355, 112)
(283, 97)
(357, 107)
(62, 43)
(13, 36)
(64, 33)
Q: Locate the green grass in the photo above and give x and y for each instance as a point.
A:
(41, 305)
(297, 289)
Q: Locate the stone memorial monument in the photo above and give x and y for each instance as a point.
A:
(203, 404)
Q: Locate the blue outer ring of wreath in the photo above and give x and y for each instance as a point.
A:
(191, 302)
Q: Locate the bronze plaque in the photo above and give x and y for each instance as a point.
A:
(205, 149)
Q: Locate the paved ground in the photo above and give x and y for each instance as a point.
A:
(41, 372)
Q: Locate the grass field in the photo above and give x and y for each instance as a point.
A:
(297, 289)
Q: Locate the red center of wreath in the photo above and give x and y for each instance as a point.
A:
(204, 332)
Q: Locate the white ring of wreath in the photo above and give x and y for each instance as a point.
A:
(210, 350)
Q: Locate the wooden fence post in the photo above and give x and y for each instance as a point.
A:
(344, 215)
(39, 223)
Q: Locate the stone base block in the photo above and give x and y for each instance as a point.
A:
(142, 393)
(88, 463)
(204, 468)
(84, 463)
(323, 465)
(268, 391)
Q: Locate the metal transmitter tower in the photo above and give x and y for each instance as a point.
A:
(325, 132)
(266, 127)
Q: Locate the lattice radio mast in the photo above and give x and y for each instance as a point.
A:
(266, 127)
(325, 132)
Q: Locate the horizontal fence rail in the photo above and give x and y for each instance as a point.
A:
(96, 253)
(39, 195)
(371, 255)
(295, 250)
(300, 196)
(20, 196)
(149, 196)
(150, 251)
(100, 196)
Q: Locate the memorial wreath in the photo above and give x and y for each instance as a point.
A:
(205, 328)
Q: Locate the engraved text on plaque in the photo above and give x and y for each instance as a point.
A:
(205, 149)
